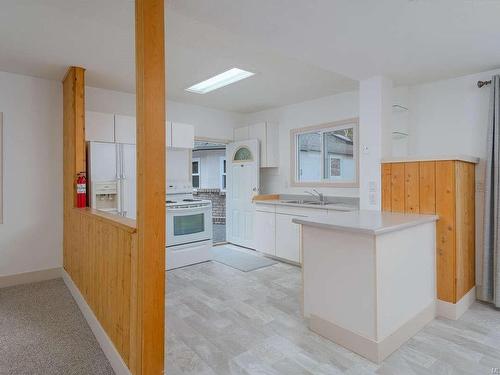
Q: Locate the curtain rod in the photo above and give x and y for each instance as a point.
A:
(483, 83)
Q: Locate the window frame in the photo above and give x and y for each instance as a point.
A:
(197, 160)
(326, 127)
(222, 173)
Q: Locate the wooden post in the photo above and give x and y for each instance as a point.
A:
(74, 142)
(150, 258)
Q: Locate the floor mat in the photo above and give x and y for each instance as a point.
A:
(240, 260)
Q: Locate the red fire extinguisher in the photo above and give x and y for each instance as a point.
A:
(81, 191)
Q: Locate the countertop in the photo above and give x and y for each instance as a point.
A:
(367, 222)
(459, 157)
(331, 206)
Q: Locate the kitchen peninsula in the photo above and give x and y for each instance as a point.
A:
(369, 278)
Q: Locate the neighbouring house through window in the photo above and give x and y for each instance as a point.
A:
(196, 173)
(223, 177)
(209, 181)
(326, 154)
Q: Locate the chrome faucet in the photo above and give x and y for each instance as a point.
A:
(316, 194)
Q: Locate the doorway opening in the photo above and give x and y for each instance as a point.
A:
(209, 179)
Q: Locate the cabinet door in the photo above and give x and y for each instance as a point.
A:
(241, 134)
(99, 127)
(265, 230)
(258, 131)
(125, 129)
(182, 135)
(168, 134)
(287, 238)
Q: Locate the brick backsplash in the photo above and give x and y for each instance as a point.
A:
(218, 199)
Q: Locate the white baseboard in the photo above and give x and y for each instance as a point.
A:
(30, 277)
(454, 311)
(375, 351)
(100, 334)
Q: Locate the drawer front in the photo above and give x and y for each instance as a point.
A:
(262, 207)
(300, 211)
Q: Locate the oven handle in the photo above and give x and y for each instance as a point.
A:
(184, 209)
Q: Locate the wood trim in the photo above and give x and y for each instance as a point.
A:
(446, 231)
(128, 225)
(386, 187)
(465, 223)
(149, 302)
(293, 161)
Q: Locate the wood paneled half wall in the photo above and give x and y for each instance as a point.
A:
(114, 266)
(445, 188)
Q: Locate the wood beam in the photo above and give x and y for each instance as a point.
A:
(150, 114)
(74, 141)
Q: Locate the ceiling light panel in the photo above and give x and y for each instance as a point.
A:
(220, 80)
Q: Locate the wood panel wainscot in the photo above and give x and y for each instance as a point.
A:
(99, 258)
(445, 188)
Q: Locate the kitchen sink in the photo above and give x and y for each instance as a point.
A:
(293, 201)
(301, 201)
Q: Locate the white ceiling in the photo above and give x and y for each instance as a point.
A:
(299, 49)
(410, 41)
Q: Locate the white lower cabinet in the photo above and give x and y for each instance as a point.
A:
(276, 234)
(265, 232)
(287, 238)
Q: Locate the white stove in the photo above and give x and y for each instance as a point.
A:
(188, 227)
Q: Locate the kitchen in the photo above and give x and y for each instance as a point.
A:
(296, 173)
(325, 212)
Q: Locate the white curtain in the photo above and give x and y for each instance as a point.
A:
(490, 289)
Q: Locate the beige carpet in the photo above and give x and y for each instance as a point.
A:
(42, 331)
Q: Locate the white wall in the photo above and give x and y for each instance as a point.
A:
(314, 112)
(207, 122)
(31, 236)
(449, 116)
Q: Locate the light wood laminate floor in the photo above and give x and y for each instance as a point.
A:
(224, 321)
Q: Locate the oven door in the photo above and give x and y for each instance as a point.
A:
(188, 224)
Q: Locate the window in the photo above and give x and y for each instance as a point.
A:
(326, 154)
(243, 154)
(223, 173)
(196, 173)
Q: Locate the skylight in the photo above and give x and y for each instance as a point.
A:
(220, 80)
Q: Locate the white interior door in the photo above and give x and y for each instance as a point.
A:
(243, 165)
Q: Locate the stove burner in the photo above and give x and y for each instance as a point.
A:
(171, 202)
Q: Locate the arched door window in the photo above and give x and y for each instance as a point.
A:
(242, 154)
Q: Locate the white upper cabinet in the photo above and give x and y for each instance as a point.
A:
(125, 129)
(268, 135)
(168, 134)
(99, 127)
(182, 135)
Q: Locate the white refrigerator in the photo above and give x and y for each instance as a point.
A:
(114, 162)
